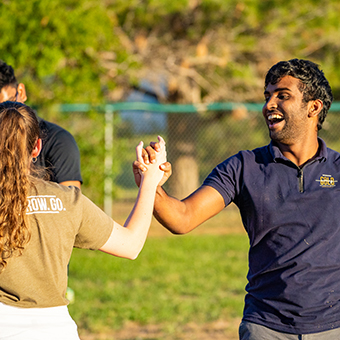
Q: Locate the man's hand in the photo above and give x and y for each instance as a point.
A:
(149, 155)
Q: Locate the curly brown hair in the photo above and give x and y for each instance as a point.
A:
(19, 132)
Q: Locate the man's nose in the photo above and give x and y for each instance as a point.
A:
(270, 104)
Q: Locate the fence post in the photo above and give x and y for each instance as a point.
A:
(108, 180)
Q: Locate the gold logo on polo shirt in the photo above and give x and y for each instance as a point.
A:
(326, 181)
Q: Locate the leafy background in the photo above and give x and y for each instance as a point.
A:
(194, 51)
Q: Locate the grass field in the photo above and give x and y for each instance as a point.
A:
(180, 287)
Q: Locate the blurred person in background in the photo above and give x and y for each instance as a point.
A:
(288, 196)
(41, 222)
(60, 153)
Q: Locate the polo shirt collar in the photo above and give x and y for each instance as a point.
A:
(277, 154)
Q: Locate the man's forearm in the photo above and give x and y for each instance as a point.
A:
(170, 212)
(180, 217)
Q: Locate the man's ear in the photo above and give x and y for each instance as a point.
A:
(22, 97)
(314, 107)
(37, 148)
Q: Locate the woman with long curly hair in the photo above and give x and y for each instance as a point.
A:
(41, 222)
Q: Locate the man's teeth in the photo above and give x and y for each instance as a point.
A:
(274, 116)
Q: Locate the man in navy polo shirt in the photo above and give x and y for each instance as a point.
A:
(289, 199)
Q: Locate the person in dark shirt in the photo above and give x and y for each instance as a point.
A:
(60, 153)
(288, 196)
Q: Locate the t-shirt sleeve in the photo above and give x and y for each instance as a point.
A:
(225, 178)
(64, 157)
(95, 227)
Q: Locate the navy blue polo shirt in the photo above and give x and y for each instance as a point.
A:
(292, 217)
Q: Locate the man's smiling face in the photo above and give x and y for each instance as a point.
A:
(285, 112)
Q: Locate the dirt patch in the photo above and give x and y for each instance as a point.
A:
(217, 330)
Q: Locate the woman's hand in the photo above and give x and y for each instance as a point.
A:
(145, 169)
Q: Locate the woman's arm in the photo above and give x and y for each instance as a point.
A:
(129, 240)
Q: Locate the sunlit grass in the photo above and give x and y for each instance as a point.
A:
(175, 281)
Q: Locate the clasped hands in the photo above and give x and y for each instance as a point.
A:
(152, 156)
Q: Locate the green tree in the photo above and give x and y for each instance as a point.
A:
(94, 51)
(59, 50)
(55, 47)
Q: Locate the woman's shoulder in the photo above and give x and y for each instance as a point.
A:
(42, 187)
(49, 197)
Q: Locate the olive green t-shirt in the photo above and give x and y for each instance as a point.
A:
(60, 218)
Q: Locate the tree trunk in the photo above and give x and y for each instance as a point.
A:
(182, 154)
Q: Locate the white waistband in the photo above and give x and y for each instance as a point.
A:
(48, 311)
(53, 323)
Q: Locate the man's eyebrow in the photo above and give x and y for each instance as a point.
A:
(279, 89)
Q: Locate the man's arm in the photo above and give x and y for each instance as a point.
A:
(63, 155)
(180, 217)
(71, 183)
(60, 154)
(65, 159)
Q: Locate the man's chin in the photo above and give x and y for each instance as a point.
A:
(280, 139)
(276, 136)
(273, 135)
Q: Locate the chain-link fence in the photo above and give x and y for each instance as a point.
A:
(198, 138)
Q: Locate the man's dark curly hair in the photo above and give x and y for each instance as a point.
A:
(7, 76)
(313, 83)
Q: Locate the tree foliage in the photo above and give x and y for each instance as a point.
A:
(219, 50)
(205, 50)
(201, 51)
(55, 46)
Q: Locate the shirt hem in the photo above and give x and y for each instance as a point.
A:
(294, 329)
